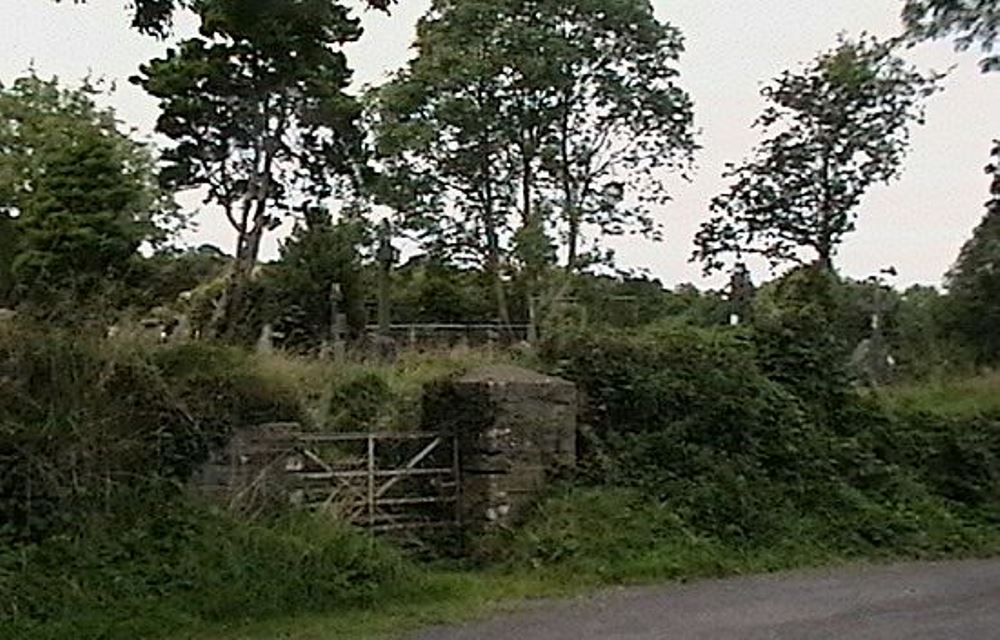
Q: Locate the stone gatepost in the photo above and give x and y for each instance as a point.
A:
(515, 429)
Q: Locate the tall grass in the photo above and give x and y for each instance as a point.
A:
(173, 566)
(396, 387)
(962, 395)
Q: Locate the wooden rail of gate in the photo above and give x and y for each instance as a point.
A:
(384, 481)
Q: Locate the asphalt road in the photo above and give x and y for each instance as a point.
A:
(939, 601)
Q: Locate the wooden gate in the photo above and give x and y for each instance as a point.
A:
(383, 481)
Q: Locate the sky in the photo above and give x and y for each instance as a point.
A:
(916, 224)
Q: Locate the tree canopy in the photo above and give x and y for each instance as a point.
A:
(154, 17)
(319, 253)
(521, 126)
(256, 109)
(974, 281)
(971, 22)
(76, 193)
(834, 129)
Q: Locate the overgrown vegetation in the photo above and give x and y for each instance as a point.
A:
(839, 420)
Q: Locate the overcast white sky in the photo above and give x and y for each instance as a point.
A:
(917, 224)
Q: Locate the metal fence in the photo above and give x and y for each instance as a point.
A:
(383, 481)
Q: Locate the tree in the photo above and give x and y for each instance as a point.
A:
(441, 136)
(78, 195)
(256, 109)
(974, 282)
(618, 128)
(520, 122)
(9, 247)
(971, 22)
(835, 128)
(154, 17)
(319, 253)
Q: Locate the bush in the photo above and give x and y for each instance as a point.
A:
(686, 415)
(689, 419)
(87, 423)
(161, 568)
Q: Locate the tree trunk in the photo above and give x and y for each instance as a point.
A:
(570, 213)
(493, 267)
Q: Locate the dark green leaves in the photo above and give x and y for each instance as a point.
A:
(557, 115)
(78, 194)
(834, 129)
(258, 115)
(974, 281)
(971, 22)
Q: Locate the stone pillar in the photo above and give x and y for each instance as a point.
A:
(515, 429)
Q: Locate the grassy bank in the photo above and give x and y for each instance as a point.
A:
(695, 461)
(195, 574)
(608, 538)
(963, 395)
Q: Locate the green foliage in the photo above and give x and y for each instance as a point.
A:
(318, 254)
(687, 415)
(610, 533)
(835, 129)
(957, 395)
(155, 17)
(258, 115)
(168, 566)
(525, 120)
(78, 195)
(162, 278)
(797, 344)
(10, 240)
(748, 457)
(972, 22)
(974, 281)
(359, 403)
(435, 292)
(86, 424)
(636, 301)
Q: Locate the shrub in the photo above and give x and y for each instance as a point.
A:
(360, 403)
(154, 570)
(86, 422)
(686, 415)
(689, 418)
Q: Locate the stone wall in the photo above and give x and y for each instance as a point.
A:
(515, 427)
(251, 473)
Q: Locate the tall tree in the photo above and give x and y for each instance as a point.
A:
(524, 121)
(971, 22)
(76, 192)
(618, 128)
(974, 282)
(154, 17)
(256, 109)
(834, 129)
(319, 253)
(443, 137)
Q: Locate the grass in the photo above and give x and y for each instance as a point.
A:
(961, 396)
(455, 598)
(441, 597)
(317, 381)
(197, 576)
(575, 543)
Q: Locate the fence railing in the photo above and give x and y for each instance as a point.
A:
(445, 333)
(384, 481)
